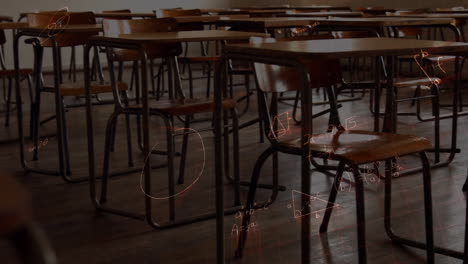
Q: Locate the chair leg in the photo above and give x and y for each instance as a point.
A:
(36, 116)
(436, 113)
(190, 80)
(361, 217)
(170, 166)
(296, 106)
(66, 146)
(183, 156)
(60, 136)
(428, 207)
(114, 132)
(429, 246)
(33, 245)
(417, 93)
(160, 76)
(107, 149)
(235, 150)
(153, 86)
(260, 120)
(8, 102)
(71, 69)
(120, 72)
(332, 198)
(129, 141)
(250, 199)
(208, 81)
(465, 189)
(31, 100)
(226, 147)
(128, 132)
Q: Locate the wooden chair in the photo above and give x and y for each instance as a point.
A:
(419, 84)
(59, 88)
(334, 72)
(18, 226)
(177, 106)
(465, 191)
(431, 60)
(9, 74)
(204, 59)
(351, 148)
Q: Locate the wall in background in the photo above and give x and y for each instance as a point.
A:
(355, 3)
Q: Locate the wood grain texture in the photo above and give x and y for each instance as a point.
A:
(191, 36)
(339, 48)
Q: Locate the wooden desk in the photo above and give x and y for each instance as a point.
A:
(264, 7)
(12, 25)
(197, 19)
(136, 41)
(267, 12)
(319, 8)
(378, 25)
(125, 15)
(6, 18)
(39, 32)
(449, 10)
(311, 8)
(191, 36)
(385, 21)
(206, 19)
(324, 14)
(68, 28)
(340, 48)
(265, 23)
(434, 15)
(212, 10)
(382, 11)
(294, 54)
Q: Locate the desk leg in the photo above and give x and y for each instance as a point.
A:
(19, 105)
(390, 104)
(305, 165)
(377, 92)
(217, 117)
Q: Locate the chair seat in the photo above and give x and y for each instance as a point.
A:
(11, 73)
(242, 70)
(435, 58)
(153, 51)
(360, 147)
(195, 59)
(405, 82)
(430, 58)
(424, 82)
(179, 107)
(78, 89)
(15, 208)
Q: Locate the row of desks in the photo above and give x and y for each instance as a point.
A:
(292, 53)
(278, 22)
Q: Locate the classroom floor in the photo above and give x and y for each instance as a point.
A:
(79, 234)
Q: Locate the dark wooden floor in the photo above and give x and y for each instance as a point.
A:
(81, 235)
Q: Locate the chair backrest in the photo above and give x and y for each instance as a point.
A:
(274, 78)
(174, 12)
(115, 27)
(177, 12)
(117, 11)
(2, 32)
(352, 34)
(62, 19)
